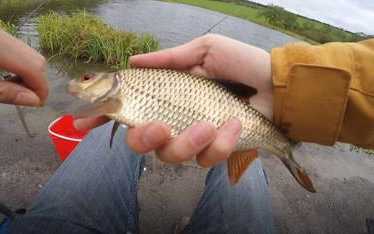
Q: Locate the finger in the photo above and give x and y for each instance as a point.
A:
(180, 58)
(90, 122)
(148, 137)
(11, 93)
(185, 146)
(35, 78)
(199, 71)
(224, 144)
(20, 59)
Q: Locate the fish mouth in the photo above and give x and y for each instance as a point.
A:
(75, 90)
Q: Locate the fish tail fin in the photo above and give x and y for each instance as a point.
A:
(298, 173)
(295, 144)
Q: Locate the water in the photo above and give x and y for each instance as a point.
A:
(14, 10)
(174, 24)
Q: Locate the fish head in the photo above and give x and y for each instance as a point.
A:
(94, 87)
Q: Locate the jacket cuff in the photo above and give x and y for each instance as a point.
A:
(310, 94)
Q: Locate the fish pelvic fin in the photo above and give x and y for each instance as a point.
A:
(238, 162)
(298, 173)
(113, 132)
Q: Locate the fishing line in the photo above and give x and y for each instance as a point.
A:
(214, 25)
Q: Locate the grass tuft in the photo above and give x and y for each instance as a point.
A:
(8, 27)
(83, 36)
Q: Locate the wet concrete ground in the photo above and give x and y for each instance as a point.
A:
(344, 180)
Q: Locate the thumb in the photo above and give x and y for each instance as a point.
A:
(11, 93)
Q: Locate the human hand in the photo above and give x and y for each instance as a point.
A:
(20, 59)
(215, 57)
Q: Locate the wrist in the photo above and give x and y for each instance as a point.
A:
(258, 73)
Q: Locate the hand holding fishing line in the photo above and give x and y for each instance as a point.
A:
(20, 59)
(211, 56)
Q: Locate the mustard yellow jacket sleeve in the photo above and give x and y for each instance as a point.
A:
(325, 93)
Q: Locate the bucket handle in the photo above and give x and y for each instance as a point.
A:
(59, 135)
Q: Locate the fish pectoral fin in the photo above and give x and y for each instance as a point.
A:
(109, 106)
(113, 132)
(299, 174)
(238, 162)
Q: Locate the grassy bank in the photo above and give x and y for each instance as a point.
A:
(86, 37)
(278, 19)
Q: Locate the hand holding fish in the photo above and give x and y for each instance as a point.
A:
(214, 57)
(204, 118)
(29, 65)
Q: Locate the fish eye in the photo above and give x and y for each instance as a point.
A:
(87, 77)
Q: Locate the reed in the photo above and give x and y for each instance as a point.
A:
(83, 36)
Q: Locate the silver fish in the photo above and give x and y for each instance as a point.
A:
(136, 96)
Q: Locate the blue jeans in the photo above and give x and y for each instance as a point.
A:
(95, 191)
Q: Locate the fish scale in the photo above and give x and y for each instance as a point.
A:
(179, 99)
(167, 96)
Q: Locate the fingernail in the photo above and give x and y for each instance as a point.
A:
(201, 133)
(27, 99)
(151, 138)
(232, 127)
(131, 61)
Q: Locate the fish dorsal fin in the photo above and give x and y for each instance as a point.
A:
(238, 162)
(109, 106)
(240, 90)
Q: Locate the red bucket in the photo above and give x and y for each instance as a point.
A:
(65, 136)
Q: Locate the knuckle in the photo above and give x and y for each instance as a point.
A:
(191, 144)
(209, 37)
(198, 137)
(207, 40)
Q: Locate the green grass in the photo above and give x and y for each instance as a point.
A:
(301, 27)
(85, 37)
(11, 29)
(8, 27)
(228, 8)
